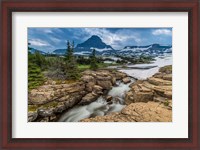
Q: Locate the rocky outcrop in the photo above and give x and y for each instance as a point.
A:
(48, 101)
(147, 101)
(157, 88)
(137, 112)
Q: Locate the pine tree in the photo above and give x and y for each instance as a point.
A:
(35, 76)
(93, 63)
(71, 68)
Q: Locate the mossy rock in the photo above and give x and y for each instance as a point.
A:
(166, 69)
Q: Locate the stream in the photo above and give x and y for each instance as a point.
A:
(100, 107)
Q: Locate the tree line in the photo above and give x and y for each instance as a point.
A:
(63, 68)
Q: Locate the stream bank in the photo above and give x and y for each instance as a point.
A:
(47, 102)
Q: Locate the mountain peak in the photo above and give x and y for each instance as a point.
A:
(95, 42)
(95, 36)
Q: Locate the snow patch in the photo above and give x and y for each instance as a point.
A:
(142, 74)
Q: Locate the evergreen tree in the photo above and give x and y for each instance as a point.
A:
(71, 68)
(93, 63)
(35, 76)
(35, 62)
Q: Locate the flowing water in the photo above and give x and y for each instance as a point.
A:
(100, 107)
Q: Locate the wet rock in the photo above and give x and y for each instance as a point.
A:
(126, 80)
(32, 116)
(46, 119)
(88, 98)
(53, 118)
(105, 84)
(45, 112)
(60, 108)
(108, 98)
(110, 102)
(97, 89)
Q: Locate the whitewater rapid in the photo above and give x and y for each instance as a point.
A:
(100, 107)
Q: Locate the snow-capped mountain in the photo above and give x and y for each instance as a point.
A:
(85, 48)
(149, 50)
(95, 42)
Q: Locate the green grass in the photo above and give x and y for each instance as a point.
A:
(85, 67)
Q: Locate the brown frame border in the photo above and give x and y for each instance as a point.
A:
(9, 6)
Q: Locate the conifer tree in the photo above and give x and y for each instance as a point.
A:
(93, 63)
(71, 68)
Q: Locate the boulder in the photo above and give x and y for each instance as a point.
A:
(45, 112)
(88, 98)
(105, 84)
(126, 80)
(32, 116)
(97, 89)
(108, 98)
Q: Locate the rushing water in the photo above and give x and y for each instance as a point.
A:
(100, 107)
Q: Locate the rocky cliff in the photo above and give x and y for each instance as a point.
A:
(47, 102)
(147, 101)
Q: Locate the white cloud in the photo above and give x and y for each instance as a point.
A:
(55, 39)
(118, 39)
(162, 32)
(38, 42)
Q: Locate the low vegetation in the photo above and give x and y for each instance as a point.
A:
(69, 67)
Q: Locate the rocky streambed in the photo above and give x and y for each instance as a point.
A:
(48, 102)
(147, 101)
(104, 96)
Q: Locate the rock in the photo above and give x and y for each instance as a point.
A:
(53, 118)
(45, 112)
(108, 98)
(60, 108)
(137, 112)
(52, 98)
(139, 94)
(90, 82)
(46, 119)
(110, 102)
(47, 93)
(97, 89)
(158, 81)
(53, 82)
(119, 75)
(32, 116)
(126, 80)
(105, 84)
(73, 100)
(88, 98)
(156, 88)
(167, 77)
(166, 69)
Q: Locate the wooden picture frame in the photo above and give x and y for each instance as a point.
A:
(9, 6)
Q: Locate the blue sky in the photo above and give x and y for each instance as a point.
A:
(49, 39)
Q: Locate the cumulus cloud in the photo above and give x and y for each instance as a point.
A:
(118, 39)
(38, 42)
(162, 32)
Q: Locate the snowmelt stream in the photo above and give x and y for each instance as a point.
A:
(100, 107)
